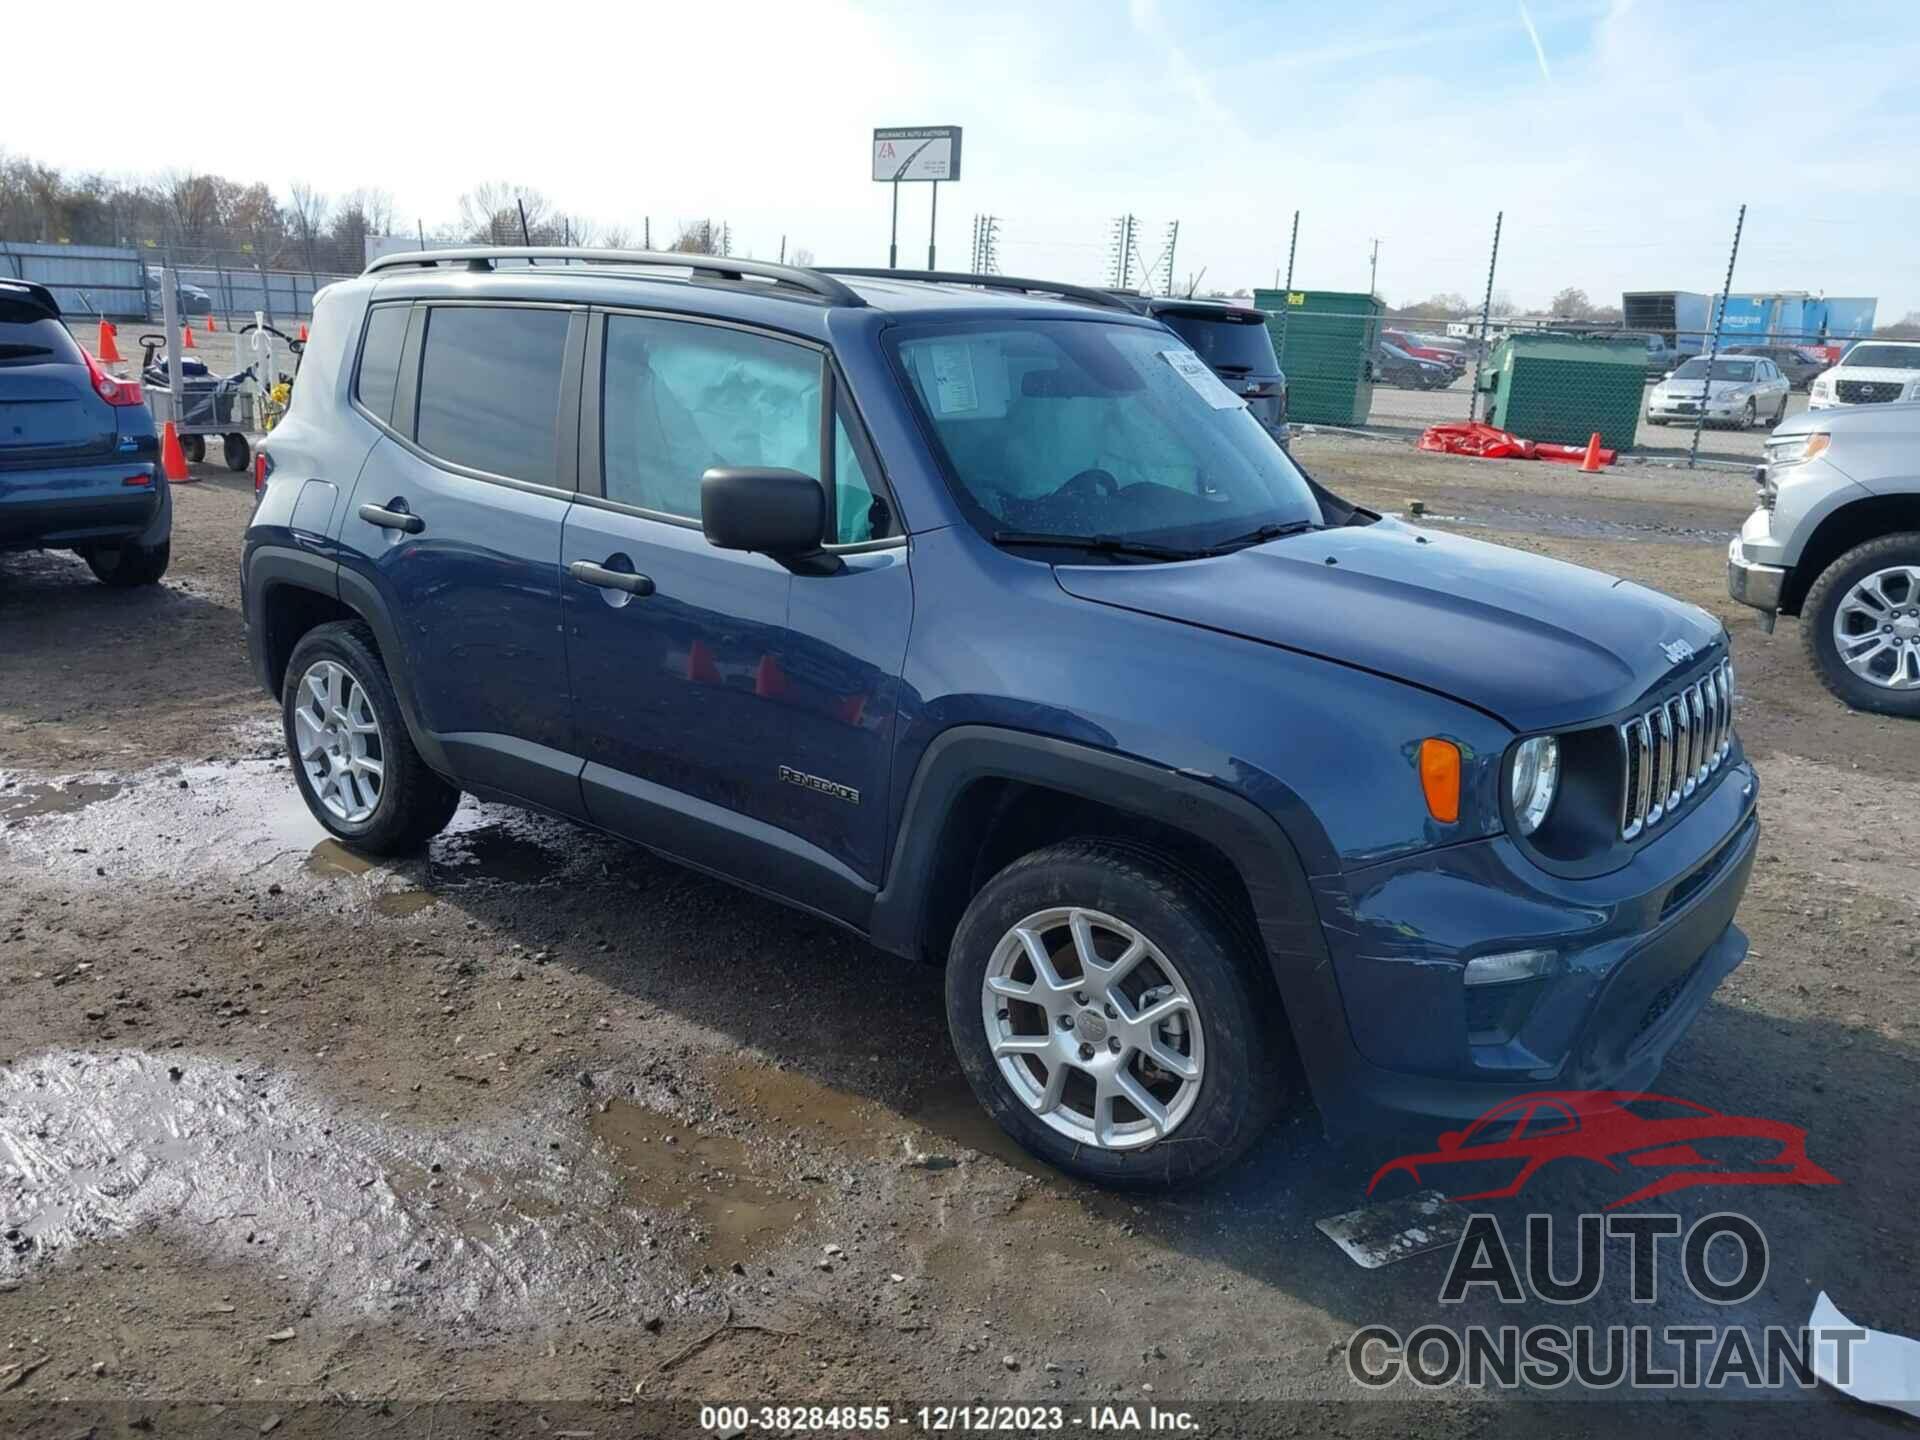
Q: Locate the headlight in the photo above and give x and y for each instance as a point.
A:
(1822, 386)
(1536, 777)
(1797, 449)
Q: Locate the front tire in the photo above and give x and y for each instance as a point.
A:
(353, 759)
(1750, 416)
(1113, 1017)
(1861, 626)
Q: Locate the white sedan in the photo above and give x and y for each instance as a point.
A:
(1744, 390)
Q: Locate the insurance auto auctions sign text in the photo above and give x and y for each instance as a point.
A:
(921, 152)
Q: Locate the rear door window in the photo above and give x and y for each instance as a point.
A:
(380, 359)
(490, 389)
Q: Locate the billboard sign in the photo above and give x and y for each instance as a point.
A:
(917, 152)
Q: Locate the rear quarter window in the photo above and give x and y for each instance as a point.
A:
(380, 359)
(490, 389)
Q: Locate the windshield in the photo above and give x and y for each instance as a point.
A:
(1076, 427)
(1242, 347)
(1722, 370)
(1886, 357)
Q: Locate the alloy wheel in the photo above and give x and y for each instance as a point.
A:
(1876, 628)
(338, 736)
(1093, 1028)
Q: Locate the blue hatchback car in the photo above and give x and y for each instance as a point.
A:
(979, 617)
(79, 456)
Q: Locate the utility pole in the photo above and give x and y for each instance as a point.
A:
(1120, 274)
(1373, 269)
(990, 246)
(1166, 265)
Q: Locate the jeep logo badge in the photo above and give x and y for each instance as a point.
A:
(1678, 652)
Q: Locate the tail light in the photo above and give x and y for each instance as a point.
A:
(114, 392)
(262, 469)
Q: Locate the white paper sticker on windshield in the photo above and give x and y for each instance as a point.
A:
(954, 389)
(1192, 369)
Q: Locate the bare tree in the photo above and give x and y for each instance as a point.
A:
(1571, 303)
(801, 256)
(308, 210)
(619, 237)
(697, 237)
(490, 214)
(193, 206)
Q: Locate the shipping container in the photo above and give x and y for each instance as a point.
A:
(1684, 318)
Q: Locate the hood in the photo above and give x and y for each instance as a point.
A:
(1535, 642)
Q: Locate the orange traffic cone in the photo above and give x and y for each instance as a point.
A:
(303, 334)
(1590, 462)
(211, 327)
(173, 460)
(769, 680)
(700, 667)
(186, 338)
(109, 352)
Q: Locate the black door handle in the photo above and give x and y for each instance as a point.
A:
(588, 573)
(392, 519)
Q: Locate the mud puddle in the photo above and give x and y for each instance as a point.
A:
(24, 800)
(246, 818)
(934, 1128)
(519, 1224)
(735, 1210)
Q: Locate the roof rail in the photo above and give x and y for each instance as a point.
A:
(1083, 293)
(721, 267)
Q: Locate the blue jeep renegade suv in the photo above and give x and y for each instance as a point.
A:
(977, 616)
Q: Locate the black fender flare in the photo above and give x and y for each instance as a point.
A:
(1256, 844)
(272, 566)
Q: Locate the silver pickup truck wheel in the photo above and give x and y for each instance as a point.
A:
(1861, 625)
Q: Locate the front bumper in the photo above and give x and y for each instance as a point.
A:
(1752, 583)
(1725, 410)
(1639, 952)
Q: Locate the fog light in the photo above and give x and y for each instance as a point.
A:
(1509, 966)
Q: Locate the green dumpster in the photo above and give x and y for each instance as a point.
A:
(1563, 388)
(1325, 339)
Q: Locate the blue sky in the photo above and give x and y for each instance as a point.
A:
(1619, 148)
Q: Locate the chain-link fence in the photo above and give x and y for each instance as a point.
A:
(1672, 376)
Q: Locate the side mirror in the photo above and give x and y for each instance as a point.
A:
(778, 513)
(1450, 1140)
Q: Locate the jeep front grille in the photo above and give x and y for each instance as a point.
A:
(1668, 752)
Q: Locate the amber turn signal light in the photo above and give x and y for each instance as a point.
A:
(1440, 779)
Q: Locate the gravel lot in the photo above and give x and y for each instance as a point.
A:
(539, 1118)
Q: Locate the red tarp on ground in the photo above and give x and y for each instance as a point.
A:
(1470, 437)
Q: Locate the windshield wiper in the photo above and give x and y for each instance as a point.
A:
(1097, 544)
(1262, 535)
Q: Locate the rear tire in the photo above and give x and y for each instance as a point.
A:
(410, 804)
(124, 566)
(236, 452)
(1231, 1038)
(194, 447)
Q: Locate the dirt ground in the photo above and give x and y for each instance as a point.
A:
(538, 1121)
